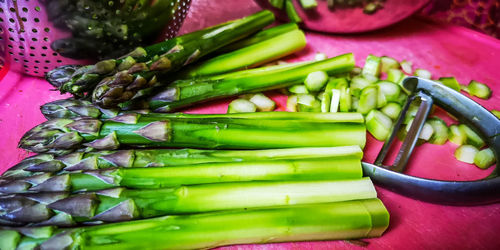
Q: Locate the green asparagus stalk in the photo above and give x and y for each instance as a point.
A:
(139, 158)
(326, 168)
(189, 92)
(124, 85)
(251, 56)
(72, 108)
(259, 37)
(61, 136)
(120, 204)
(331, 221)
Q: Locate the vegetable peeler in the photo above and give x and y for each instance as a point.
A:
(482, 121)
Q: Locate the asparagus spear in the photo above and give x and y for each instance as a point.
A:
(72, 108)
(250, 56)
(326, 168)
(184, 93)
(61, 136)
(331, 221)
(138, 158)
(120, 204)
(78, 80)
(125, 84)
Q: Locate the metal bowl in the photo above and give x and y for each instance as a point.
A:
(37, 36)
(350, 20)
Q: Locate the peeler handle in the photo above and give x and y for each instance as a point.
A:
(448, 192)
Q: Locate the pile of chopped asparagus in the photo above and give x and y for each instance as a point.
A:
(115, 170)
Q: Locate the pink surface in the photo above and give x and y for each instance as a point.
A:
(444, 50)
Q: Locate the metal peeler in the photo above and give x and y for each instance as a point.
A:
(482, 121)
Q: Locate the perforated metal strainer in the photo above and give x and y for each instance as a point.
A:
(39, 35)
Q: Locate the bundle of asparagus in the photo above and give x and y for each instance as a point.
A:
(115, 167)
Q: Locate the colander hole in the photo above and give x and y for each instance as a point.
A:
(1, 10)
(11, 20)
(46, 29)
(25, 9)
(1, 20)
(36, 72)
(26, 66)
(44, 54)
(34, 39)
(10, 46)
(46, 39)
(21, 53)
(36, 20)
(54, 54)
(47, 61)
(12, 39)
(59, 61)
(12, 9)
(21, 47)
(21, 39)
(11, 53)
(15, 59)
(34, 30)
(25, 60)
(36, 61)
(11, 29)
(44, 47)
(36, 67)
(31, 47)
(24, 19)
(37, 8)
(31, 54)
(45, 67)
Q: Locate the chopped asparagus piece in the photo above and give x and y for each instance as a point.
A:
(320, 56)
(496, 113)
(389, 89)
(392, 110)
(308, 4)
(478, 89)
(388, 63)
(368, 100)
(406, 66)
(315, 81)
(472, 137)
(457, 135)
(426, 132)
(466, 153)
(372, 66)
(378, 124)
(484, 158)
(241, 106)
(422, 73)
(335, 101)
(450, 82)
(291, 103)
(358, 83)
(262, 102)
(395, 75)
(440, 135)
(298, 89)
(308, 103)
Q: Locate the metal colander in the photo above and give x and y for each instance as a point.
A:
(35, 37)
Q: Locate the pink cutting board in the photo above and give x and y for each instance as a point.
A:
(444, 50)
